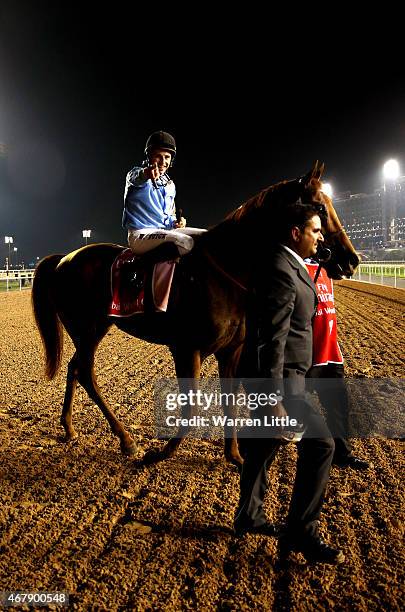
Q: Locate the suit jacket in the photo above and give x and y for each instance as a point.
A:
(279, 326)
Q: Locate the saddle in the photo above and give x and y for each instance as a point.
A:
(138, 289)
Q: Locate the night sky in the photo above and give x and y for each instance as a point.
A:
(81, 91)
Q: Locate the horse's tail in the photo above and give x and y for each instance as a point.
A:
(46, 315)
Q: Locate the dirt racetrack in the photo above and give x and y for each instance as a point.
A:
(116, 535)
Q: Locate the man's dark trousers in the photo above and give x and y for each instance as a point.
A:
(313, 466)
(334, 398)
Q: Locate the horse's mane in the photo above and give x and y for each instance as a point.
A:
(253, 203)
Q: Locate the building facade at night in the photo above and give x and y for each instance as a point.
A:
(375, 220)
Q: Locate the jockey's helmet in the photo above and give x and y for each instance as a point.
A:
(161, 140)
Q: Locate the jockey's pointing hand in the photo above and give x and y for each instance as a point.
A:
(151, 172)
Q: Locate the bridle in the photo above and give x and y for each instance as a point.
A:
(323, 258)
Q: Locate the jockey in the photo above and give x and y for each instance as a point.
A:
(149, 208)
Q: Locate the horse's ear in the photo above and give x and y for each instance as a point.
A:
(315, 172)
(321, 169)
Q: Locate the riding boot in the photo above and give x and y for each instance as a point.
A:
(167, 251)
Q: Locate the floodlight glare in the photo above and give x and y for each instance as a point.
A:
(391, 169)
(327, 189)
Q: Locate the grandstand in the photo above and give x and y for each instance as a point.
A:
(377, 220)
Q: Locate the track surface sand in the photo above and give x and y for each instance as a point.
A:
(117, 535)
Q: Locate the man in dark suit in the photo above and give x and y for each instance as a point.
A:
(278, 350)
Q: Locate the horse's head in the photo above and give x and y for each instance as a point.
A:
(259, 217)
(343, 260)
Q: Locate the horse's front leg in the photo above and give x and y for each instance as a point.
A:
(227, 363)
(232, 454)
(188, 368)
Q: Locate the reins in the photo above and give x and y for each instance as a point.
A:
(216, 265)
(337, 233)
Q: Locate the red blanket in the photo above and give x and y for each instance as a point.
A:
(128, 298)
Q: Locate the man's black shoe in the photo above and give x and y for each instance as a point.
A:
(267, 529)
(352, 462)
(314, 550)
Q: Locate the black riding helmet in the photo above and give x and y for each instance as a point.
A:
(161, 140)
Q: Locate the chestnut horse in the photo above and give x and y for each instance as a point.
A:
(206, 310)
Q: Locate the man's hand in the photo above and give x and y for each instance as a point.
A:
(181, 223)
(278, 410)
(151, 172)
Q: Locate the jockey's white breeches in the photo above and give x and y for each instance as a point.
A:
(141, 241)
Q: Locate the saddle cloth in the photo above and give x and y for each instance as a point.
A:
(128, 298)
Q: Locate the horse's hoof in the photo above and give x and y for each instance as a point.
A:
(130, 450)
(153, 456)
(235, 460)
(68, 438)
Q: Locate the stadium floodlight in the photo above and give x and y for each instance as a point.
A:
(391, 170)
(9, 240)
(86, 234)
(327, 189)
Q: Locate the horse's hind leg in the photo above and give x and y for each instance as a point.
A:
(81, 369)
(71, 383)
(87, 379)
